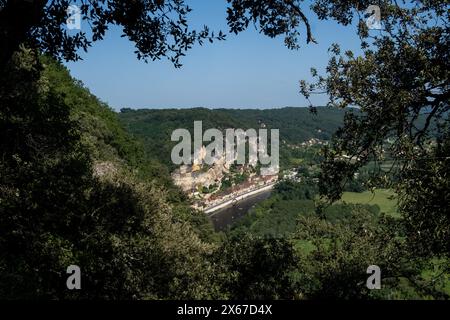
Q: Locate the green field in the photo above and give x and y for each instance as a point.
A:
(381, 197)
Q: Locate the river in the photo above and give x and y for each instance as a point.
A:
(225, 217)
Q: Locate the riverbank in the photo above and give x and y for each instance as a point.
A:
(226, 217)
(211, 211)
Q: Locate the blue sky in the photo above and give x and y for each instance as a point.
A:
(248, 70)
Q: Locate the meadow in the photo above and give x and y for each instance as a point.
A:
(384, 198)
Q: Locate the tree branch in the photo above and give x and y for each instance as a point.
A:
(309, 37)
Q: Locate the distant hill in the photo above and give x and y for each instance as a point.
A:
(296, 125)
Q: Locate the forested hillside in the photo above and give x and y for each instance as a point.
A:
(76, 189)
(154, 127)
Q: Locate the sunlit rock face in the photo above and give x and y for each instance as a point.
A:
(190, 178)
(103, 168)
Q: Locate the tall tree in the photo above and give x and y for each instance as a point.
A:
(400, 83)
